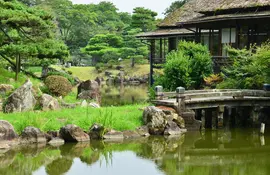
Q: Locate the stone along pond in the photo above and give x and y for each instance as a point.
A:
(214, 152)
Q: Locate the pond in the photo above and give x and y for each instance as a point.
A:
(217, 152)
(123, 95)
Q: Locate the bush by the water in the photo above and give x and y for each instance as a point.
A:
(249, 70)
(186, 67)
(58, 85)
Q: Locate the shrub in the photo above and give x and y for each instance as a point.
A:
(58, 85)
(187, 66)
(250, 68)
(213, 80)
(62, 74)
(99, 66)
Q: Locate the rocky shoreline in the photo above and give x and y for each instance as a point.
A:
(157, 122)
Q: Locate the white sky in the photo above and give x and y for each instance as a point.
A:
(158, 6)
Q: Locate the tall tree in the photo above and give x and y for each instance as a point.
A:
(27, 35)
(174, 6)
(144, 19)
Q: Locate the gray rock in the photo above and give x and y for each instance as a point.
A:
(113, 135)
(120, 67)
(94, 105)
(89, 90)
(7, 131)
(107, 73)
(47, 102)
(73, 133)
(4, 88)
(143, 131)
(84, 104)
(131, 134)
(32, 135)
(21, 99)
(134, 83)
(172, 129)
(96, 131)
(155, 120)
(99, 80)
(179, 121)
(56, 142)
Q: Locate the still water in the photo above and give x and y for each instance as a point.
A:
(123, 95)
(234, 152)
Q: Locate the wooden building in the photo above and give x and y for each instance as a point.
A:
(215, 23)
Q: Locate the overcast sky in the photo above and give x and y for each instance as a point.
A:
(127, 5)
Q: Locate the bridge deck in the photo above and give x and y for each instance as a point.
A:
(210, 102)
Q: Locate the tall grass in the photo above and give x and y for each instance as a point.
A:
(119, 118)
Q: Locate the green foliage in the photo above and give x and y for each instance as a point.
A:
(249, 69)
(143, 18)
(174, 6)
(186, 67)
(58, 85)
(104, 47)
(28, 32)
(62, 74)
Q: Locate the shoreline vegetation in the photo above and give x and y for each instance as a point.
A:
(119, 118)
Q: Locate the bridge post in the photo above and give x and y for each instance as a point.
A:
(159, 92)
(180, 99)
(255, 115)
(220, 113)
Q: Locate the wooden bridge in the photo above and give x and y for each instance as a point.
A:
(210, 106)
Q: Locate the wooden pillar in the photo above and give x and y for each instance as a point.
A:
(227, 116)
(160, 49)
(203, 119)
(237, 40)
(152, 56)
(233, 117)
(214, 119)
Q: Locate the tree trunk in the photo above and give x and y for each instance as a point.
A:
(18, 65)
(45, 70)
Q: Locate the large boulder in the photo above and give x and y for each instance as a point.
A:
(4, 88)
(21, 99)
(155, 119)
(73, 133)
(47, 102)
(32, 135)
(96, 131)
(7, 131)
(89, 90)
(172, 129)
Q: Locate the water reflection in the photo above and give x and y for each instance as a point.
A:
(217, 152)
(123, 95)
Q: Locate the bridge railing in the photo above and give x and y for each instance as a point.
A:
(207, 93)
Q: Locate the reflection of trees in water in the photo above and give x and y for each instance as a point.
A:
(122, 95)
(170, 154)
(59, 166)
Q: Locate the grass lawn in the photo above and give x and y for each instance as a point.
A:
(7, 77)
(86, 73)
(119, 118)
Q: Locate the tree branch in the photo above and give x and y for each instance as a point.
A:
(8, 60)
(6, 34)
